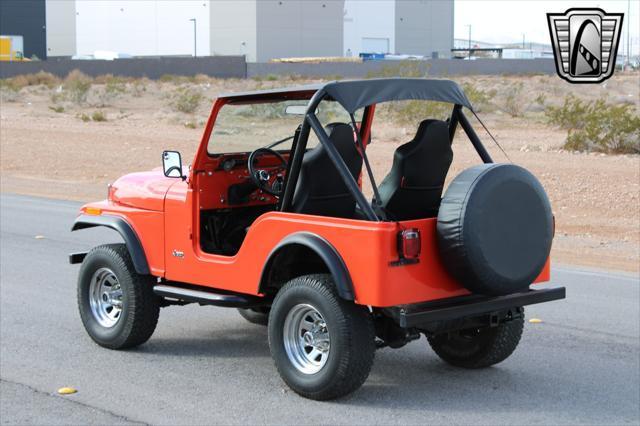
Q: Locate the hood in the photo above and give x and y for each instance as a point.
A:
(144, 190)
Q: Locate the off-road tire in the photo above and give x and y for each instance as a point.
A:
(487, 347)
(140, 306)
(259, 316)
(351, 332)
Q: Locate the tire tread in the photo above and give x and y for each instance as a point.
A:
(144, 304)
(501, 345)
(355, 323)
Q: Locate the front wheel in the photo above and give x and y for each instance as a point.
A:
(117, 305)
(323, 346)
(478, 348)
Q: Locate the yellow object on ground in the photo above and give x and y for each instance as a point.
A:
(535, 320)
(66, 391)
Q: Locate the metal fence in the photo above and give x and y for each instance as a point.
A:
(237, 67)
(215, 66)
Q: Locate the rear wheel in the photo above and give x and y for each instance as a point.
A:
(258, 316)
(117, 305)
(478, 348)
(323, 346)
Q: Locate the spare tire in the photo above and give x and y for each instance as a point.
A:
(495, 229)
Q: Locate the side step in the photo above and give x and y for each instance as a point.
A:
(204, 297)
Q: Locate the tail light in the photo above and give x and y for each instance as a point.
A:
(409, 243)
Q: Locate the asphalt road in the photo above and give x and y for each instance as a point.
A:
(207, 365)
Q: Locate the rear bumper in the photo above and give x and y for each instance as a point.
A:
(422, 314)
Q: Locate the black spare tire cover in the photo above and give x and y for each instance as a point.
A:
(495, 229)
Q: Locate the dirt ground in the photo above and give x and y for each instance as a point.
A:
(595, 197)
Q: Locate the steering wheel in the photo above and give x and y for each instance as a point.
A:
(267, 180)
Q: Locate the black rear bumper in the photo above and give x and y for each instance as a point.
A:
(408, 316)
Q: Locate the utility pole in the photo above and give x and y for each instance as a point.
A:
(522, 41)
(195, 45)
(628, 36)
(469, 55)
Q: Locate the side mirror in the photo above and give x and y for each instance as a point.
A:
(172, 164)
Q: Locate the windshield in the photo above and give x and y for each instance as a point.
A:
(244, 128)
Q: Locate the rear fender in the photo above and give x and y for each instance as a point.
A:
(325, 251)
(125, 230)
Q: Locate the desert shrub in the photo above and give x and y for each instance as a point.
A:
(18, 82)
(186, 100)
(42, 78)
(597, 125)
(8, 94)
(57, 108)
(480, 99)
(183, 79)
(99, 116)
(201, 79)
(513, 104)
(168, 78)
(139, 86)
(269, 77)
(9, 90)
(77, 85)
(190, 124)
(264, 111)
(413, 112)
(84, 117)
(106, 78)
(113, 87)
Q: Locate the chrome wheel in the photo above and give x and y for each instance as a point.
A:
(306, 339)
(105, 297)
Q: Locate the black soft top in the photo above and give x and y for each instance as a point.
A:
(356, 94)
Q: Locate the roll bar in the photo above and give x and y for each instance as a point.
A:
(312, 122)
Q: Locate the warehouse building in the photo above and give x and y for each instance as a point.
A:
(267, 29)
(409, 27)
(259, 29)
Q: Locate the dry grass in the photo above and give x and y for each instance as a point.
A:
(72, 155)
(77, 86)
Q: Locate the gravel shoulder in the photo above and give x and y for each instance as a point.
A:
(595, 197)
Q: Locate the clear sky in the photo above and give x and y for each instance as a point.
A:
(500, 21)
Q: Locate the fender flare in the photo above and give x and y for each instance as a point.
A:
(325, 251)
(125, 230)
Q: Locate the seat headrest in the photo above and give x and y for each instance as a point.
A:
(429, 124)
(341, 134)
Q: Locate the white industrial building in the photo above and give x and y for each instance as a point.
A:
(409, 27)
(259, 29)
